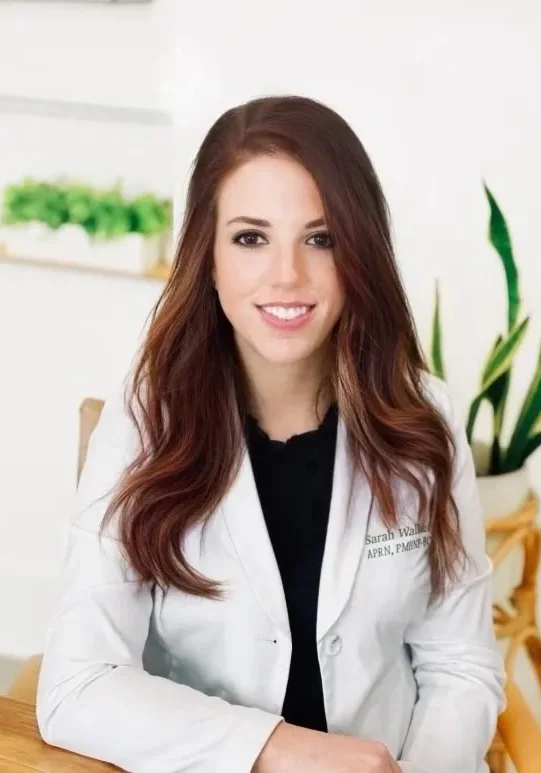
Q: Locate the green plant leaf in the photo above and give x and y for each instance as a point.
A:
(436, 347)
(502, 355)
(103, 214)
(497, 397)
(532, 444)
(501, 241)
(80, 201)
(149, 215)
(528, 419)
(30, 200)
(498, 363)
(111, 215)
(472, 415)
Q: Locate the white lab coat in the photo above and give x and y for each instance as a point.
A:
(171, 683)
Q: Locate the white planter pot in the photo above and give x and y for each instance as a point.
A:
(71, 245)
(501, 495)
(132, 253)
(32, 240)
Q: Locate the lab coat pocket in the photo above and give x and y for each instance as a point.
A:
(396, 567)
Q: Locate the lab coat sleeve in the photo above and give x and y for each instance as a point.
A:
(457, 667)
(94, 697)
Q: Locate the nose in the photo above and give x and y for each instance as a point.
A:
(286, 267)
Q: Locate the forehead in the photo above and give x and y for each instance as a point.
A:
(269, 187)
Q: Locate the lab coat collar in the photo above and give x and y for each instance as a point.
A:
(346, 533)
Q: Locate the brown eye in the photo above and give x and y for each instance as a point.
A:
(324, 240)
(247, 239)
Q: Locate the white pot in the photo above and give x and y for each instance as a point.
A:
(502, 495)
(29, 240)
(71, 245)
(133, 253)
(71, 242)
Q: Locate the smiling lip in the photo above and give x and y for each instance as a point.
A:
(286, 316)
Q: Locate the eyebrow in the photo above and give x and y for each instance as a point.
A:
(266, 224)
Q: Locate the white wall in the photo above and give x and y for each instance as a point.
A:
(440, 99)
(63, 337)
(86, 53)
(89, 54)
(98, 152)
(67, 335)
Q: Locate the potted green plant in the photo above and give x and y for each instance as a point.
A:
(74, 223)
(501, 465)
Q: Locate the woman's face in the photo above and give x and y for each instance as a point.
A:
(273, 262)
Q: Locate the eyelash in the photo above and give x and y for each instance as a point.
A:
(236, 240)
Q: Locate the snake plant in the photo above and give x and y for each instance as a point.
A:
(496, 373)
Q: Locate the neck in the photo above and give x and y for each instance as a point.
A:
(287, 399)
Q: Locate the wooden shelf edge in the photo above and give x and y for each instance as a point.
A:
(160, 272)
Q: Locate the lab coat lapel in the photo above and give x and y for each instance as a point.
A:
(345, 535)
(243, 515)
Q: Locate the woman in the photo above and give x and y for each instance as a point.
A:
(277, 558)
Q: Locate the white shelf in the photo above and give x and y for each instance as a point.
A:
(106, 2)
(85, 111)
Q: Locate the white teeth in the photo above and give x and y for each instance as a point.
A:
(291, 312)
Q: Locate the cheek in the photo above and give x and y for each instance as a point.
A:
(236, 282)
(332, 290)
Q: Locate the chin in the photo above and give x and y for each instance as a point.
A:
(286, 354)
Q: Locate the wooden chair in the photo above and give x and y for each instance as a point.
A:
(519, 736)
(515, 618)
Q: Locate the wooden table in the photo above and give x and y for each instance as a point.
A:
(23, 751)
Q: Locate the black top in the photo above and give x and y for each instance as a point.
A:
(294, 484)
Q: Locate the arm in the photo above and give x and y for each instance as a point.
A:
(457, 667)
(94, 697)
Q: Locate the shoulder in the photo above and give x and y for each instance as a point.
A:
(437, 391)
(112, 446)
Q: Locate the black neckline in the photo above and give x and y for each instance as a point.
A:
(328, 425)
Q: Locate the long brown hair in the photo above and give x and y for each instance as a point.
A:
(188, 397)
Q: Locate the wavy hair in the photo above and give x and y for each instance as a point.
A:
(188, 394)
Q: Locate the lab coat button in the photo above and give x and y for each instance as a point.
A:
(333, 644)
